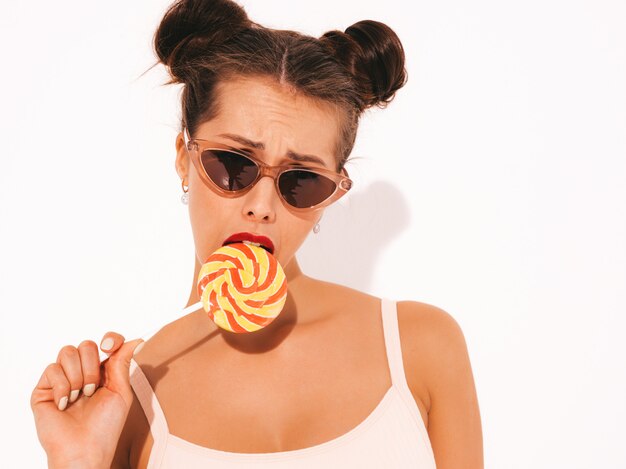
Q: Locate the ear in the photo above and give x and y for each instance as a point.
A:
(182, 158)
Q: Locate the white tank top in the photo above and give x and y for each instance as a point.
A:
(392, 435)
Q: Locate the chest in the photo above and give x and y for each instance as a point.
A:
(295, 396)
(288, 399)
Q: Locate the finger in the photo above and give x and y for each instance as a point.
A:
(90, 363)
(111, 341)
(69, 359)
(52, 386)
(117, 370)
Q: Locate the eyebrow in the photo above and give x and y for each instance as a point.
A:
(260, 146)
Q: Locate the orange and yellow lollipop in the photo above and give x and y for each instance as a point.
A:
(242, 287)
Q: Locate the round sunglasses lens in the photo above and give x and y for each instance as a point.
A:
(228, 170)
(304, 189)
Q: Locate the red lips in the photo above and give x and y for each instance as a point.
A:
(262, 240)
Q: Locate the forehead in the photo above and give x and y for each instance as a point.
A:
(262, 110)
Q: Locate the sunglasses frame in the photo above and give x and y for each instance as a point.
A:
(195, 147)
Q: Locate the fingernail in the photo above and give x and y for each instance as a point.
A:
(89, 389)
(107, 344)
(63, 403)
(138, 348)
(74, 395)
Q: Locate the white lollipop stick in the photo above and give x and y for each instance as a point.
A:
(189, 309)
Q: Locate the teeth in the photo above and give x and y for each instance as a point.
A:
(254, 244)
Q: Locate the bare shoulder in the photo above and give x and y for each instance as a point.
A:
(431, 333)
(437, 364)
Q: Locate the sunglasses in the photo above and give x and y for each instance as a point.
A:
(231, 172)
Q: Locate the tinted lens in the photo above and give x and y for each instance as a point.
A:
(230, 171)
(304, 189)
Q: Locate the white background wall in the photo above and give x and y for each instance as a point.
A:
(492, 187)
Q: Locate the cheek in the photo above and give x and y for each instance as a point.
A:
(295, 230)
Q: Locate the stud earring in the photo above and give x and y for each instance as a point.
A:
(185, 197)
(316, 228)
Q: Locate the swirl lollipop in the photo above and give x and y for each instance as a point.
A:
(242, 287)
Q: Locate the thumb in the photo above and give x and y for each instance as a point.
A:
(117, 370)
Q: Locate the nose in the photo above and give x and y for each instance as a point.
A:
(260, 202)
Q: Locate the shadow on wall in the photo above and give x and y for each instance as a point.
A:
(353, 235)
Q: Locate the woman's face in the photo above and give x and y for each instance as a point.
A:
(261, 111)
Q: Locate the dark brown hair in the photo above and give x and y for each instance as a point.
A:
(203, 42)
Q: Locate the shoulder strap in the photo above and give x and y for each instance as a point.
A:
(392, 344)
(151, 407)
(398, 377)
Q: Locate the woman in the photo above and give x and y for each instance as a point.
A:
(307, 390)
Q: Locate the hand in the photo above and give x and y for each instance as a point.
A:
(80, 405)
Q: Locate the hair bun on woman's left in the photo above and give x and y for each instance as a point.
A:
(374, 55)
(190, 28)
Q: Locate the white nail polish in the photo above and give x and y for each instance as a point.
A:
(74, 395)
(89, 389)
(63, 403)
(107, 344)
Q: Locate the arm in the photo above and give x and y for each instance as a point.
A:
(435, 355)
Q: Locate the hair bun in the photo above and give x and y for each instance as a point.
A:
(373, 53)
(191, 27)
